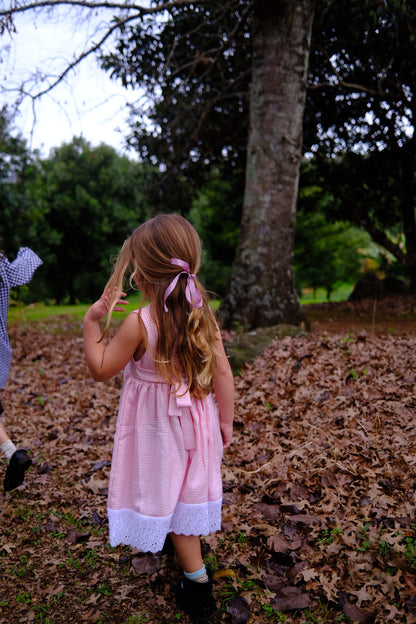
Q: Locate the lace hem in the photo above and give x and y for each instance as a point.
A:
(148, 533)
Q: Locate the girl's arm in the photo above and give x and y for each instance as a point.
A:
(106, 360)
(224, 392)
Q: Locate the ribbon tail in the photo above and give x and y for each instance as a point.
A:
(169, 289)
(192, 293)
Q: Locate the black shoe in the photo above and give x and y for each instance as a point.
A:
(15, 471)
(197, 600)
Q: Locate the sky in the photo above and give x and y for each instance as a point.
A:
(89, 103)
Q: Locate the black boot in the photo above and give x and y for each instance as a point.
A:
(197, 599)
(16, 468)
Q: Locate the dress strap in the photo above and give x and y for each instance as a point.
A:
(146, 317)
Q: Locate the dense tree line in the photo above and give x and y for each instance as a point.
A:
(76, 207)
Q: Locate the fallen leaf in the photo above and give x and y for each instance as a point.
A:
(148, 564)
(239, 610)
(291, 599)
(351, 611)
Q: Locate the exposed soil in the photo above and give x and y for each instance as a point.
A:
(392, 314)
(319, 484)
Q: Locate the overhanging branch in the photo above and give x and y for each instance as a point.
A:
(380, 237)
(379, 92)
(122, 6)
(72, 65)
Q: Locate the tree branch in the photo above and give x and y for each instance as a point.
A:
(122, 6)
(351, 86)
(119, 24)
(211, 55)
(380, 93)
(135, 12)
(380, 237)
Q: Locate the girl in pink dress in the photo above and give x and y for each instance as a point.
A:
(166, 468)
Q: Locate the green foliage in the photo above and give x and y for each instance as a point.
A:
(328, 536)
(329, 204)
(18, 216)
(236, 586)
(90, 200)
(74, 209)
(23, 567)
(341, 293)
(360, 117)
(361, 89)
(194, 65)
(410, 550)
(273, 614)
(362, 83)
(138, 619)
(326, 254)
(216, 214)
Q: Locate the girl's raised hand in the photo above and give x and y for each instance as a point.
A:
(111, 297)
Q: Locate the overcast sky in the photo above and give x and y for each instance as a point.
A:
(87, 104)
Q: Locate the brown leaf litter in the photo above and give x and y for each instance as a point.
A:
(319, 484)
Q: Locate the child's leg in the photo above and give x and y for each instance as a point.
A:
(18, 460)
(6, 445)
(188, 549)
(194, 592)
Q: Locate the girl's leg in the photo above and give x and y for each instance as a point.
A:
(188, 549)
(194, 592)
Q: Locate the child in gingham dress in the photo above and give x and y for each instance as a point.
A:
(12, 274)
(166, 468)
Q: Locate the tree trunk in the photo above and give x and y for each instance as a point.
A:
(262, 290)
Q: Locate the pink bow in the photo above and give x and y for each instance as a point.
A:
(192, 294)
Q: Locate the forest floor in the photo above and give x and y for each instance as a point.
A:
(319, 485)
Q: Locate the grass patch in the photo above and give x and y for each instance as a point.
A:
(41, 311)
(19, 313)
(320, 295)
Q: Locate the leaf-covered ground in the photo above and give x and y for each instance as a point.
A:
(319, 502)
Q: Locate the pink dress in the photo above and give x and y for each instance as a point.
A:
(166, 466)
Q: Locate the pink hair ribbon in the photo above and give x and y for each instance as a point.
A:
(192, 294)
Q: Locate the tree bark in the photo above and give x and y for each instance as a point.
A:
(262, 289)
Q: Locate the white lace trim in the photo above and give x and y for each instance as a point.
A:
(148, 533)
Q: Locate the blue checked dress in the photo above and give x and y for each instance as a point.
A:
(12, 274)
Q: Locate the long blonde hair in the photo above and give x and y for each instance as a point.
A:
(186, 344)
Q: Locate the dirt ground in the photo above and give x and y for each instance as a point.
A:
(392, 315)
(319, 484)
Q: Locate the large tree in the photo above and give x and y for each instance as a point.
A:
(262, 287)
(197, 62)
